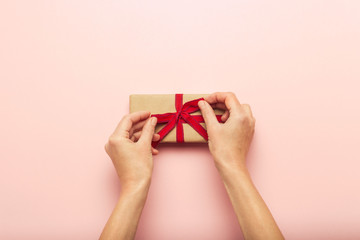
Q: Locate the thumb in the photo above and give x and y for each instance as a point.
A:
(208, 113)
(148, 131)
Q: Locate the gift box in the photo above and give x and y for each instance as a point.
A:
(179, 117)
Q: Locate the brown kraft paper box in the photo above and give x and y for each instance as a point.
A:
(164, 103)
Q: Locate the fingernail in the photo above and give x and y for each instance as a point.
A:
(153, 120)
(201, 103)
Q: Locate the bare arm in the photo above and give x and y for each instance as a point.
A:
(129, 147)
(229, 143)
(124, 219)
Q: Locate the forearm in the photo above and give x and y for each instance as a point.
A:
(254, 217)
(124, 219)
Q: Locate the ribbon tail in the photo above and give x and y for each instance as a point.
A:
(164, 131)
(155, 144)
(179, 132)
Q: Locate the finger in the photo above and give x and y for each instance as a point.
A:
(154, 151)
(137, 126)
(156, 137)
(148, 131)
(219, 105)
(124, 126)
(222, 106)
(208, 113)
(247, 108)
(135, 137)
(225, 116)
(228, 98)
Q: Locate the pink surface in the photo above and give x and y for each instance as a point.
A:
(67, 69)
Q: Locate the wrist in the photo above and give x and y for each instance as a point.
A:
(139, 187)
(229, 167)
(228, 162)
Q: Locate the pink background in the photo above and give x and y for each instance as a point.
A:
(67, 69)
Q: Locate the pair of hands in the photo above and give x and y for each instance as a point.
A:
(130, 148)
(131, 152)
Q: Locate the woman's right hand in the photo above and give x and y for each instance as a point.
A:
(230, 141)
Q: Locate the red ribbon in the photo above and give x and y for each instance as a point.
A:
(182, 115)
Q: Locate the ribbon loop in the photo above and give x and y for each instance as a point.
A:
(182, 115)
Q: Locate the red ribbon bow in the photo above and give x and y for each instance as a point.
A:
(182, 115)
